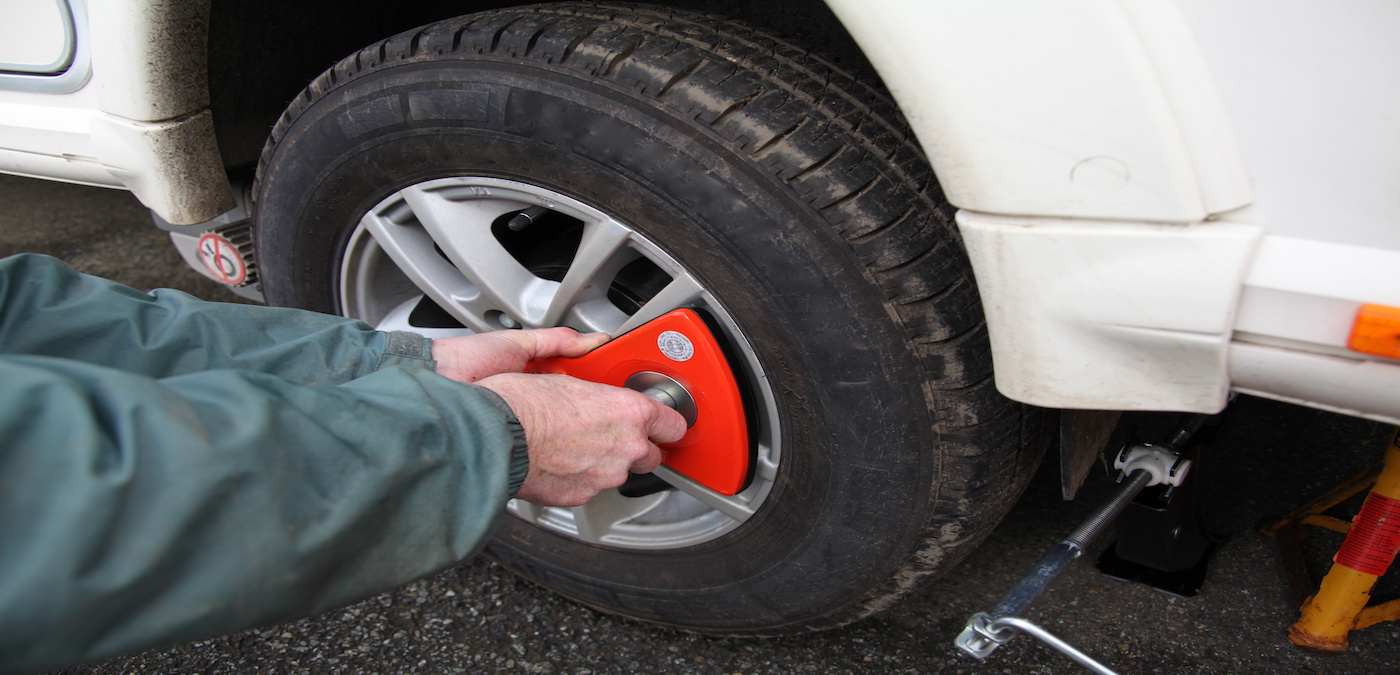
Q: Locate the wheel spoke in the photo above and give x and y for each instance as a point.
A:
(412, 251)
(767, 469)
(593, 266)
(598, 518)
(398, 319)
(461, 228)
(682, 290)
(528, 511)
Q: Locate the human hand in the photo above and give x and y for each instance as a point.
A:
(472, 357)
(583, 437)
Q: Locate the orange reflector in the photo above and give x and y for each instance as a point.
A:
(1376, 331)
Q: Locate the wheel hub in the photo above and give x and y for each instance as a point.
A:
(441, 258)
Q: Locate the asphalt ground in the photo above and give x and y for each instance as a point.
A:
(478, 618)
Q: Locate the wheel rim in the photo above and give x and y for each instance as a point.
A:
(440, 258)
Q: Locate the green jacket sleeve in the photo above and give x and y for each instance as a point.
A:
(47, 309)
(140, 510)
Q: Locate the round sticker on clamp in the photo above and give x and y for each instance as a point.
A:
(675, 346)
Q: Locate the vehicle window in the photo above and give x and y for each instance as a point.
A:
(37, 37)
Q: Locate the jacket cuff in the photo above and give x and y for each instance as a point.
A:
(519, 450)
(409, 350)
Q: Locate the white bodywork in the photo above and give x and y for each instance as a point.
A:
(138, 120)
(1164, 200)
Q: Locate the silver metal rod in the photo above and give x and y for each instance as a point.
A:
(1101, 519)
(1035, 584)
(1055, 643)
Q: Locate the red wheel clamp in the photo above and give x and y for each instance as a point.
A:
(677, 360)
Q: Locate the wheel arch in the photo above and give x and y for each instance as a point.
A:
(259, 57)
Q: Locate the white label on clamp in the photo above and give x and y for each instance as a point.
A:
(675, 346)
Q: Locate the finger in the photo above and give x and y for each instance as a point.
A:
(648, 462)
(583, 343)
(562, 341)
(665, 425)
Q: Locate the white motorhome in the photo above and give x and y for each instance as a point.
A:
(925, 236)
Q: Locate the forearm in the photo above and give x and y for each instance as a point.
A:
(139, 512)
(47, 309)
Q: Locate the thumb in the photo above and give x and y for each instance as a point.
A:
(562, 341)
(665, 425)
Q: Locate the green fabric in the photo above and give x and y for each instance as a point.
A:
(173, 469)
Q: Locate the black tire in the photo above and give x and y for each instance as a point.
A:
(792, 193)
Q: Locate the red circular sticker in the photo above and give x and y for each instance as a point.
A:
(221, 258)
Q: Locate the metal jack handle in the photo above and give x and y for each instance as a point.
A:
(1143, 465)
(997, 632)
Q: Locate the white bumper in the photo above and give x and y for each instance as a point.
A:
(1109, 316)
(1123, 316)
